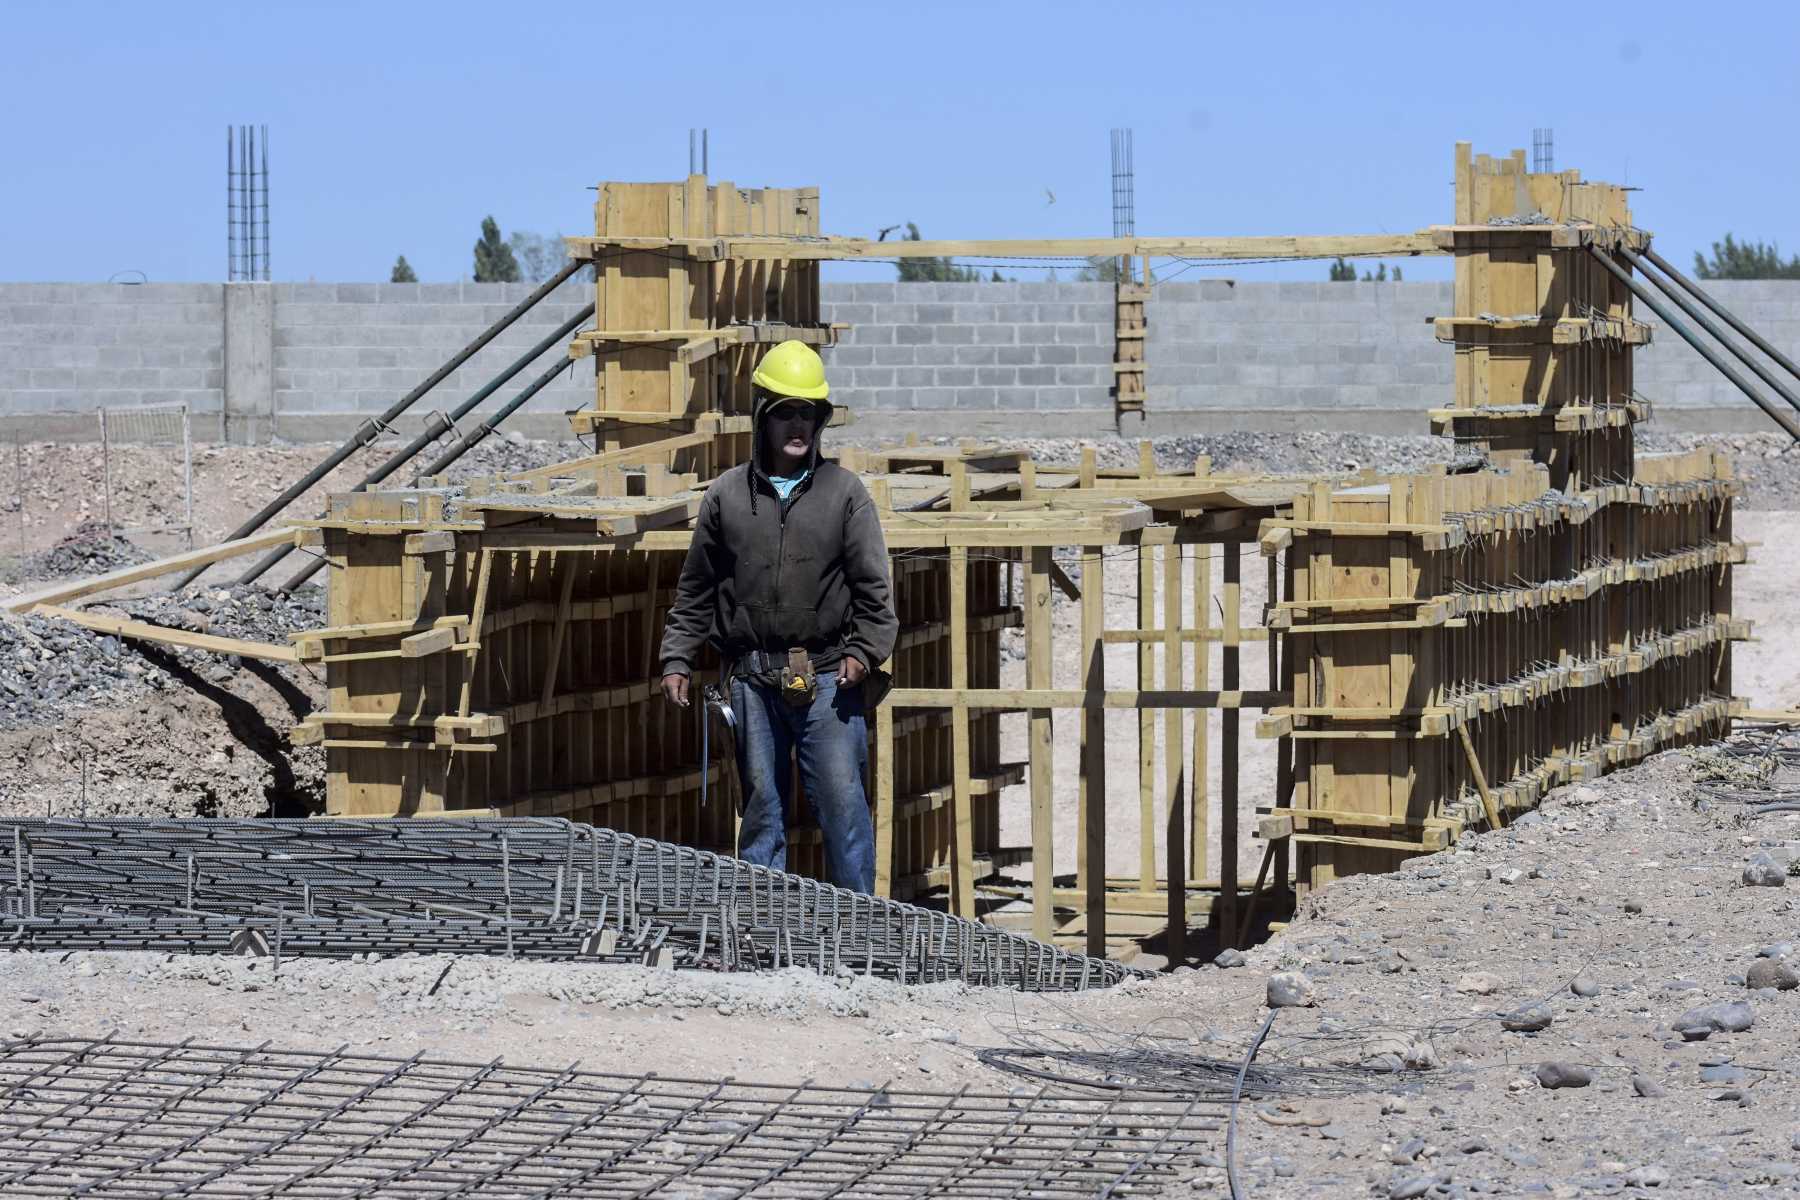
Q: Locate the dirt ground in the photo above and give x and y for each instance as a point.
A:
(1634, 881)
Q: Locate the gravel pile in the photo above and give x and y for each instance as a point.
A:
(249, 612)
(504, 453)
(49, 666)
(1767, 463)
(1237, 452)
(90, 549)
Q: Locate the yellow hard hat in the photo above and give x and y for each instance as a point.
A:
(792, 369)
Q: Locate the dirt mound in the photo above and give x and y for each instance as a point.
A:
(114, 726)
(196, 747)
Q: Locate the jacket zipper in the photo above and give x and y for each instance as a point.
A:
(780, 542)
(781, 511)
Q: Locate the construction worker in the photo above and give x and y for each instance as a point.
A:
(787, 578)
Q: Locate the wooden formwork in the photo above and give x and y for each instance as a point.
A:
(1130, 330)
(495, 651)
(1543, 334)
(1458, 644)
(1442, 647)
(680, 325)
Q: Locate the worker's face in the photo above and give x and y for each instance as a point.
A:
(790, 427)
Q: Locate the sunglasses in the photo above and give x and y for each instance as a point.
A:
(791, 412)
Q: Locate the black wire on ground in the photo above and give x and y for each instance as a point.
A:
(1237, 1092)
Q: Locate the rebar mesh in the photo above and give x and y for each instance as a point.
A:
(138, 1119)
(526, 887)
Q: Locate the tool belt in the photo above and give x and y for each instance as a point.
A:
(796, 676)
(798, 681)
(792, 674)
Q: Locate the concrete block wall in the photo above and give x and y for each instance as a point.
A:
(358, 347)
(75, 348)
(974, 347)
(307, 361)
(1673, 375)
(1250, 347)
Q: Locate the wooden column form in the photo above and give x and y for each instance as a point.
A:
(963, 874)
(1230, 680)
(1199, 782)
(1174, 757)
(1039, 673)
(1146, 723)
(1091, 796)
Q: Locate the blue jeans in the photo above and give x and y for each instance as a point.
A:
(830, 738)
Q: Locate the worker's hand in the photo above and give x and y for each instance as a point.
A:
(675, 689)
(851, 671)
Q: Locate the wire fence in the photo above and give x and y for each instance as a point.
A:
(157, 426)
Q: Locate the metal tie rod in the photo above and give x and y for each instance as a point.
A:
(435, 427)
(1724, 314)
(365, 432)
(1712, 328)
(483, 431)
(1777, 414)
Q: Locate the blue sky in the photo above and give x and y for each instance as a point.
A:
(394, 127)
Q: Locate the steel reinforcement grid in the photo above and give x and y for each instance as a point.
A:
(131, 1120)
(529, 888)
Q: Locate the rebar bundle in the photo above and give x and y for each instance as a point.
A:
(522, 887)
(136, 1119)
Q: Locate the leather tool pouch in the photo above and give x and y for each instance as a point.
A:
(876, 685)
(799, 682)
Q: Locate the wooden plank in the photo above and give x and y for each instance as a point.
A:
(484, 577)
(1174, 757)
(884, 801)
(1337, 839)
(963, 892)
(1487, 798)
(1199, 783)
(420, 645)
(144, 632)
(1383, 245)
(436, 542)
(1230, 657)
(1091, 796)
(1146, 723)
(554, 659)
(1039, 674)
(1023, 698)
(62, 593)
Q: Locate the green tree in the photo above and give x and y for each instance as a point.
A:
(494, 259)
(932, 270)
(539, 255)
(1344, 271)
(1732, 259)
(402, 272)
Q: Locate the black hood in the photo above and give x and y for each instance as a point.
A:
(822, 410)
